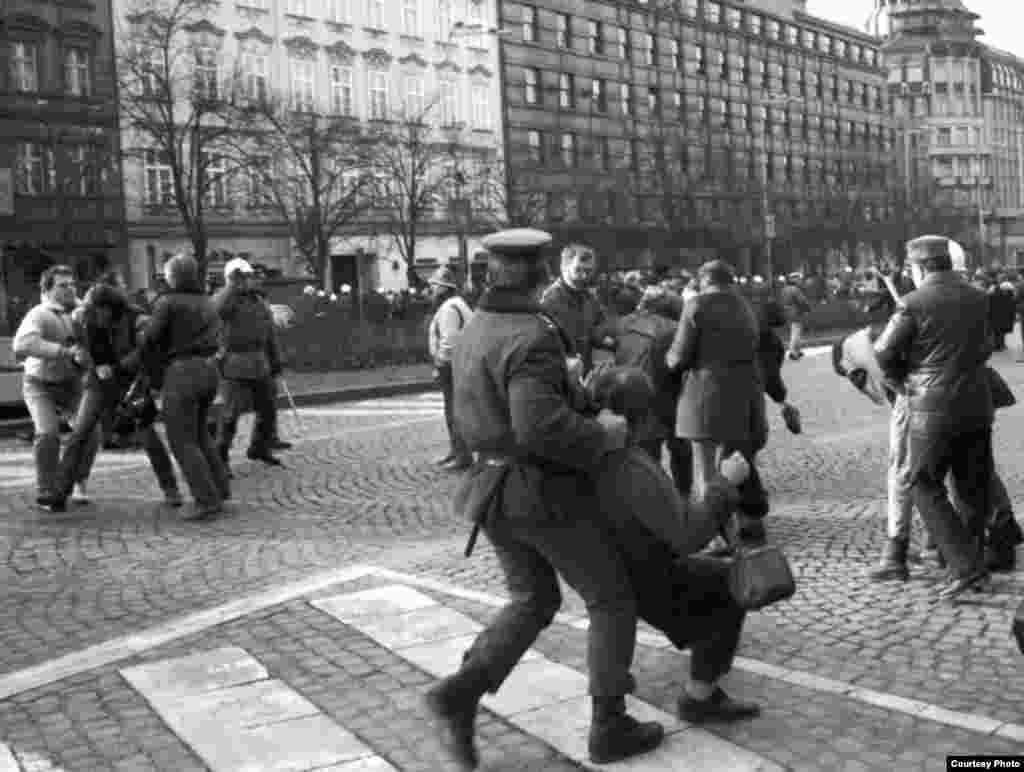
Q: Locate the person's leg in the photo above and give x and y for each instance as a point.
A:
(42, 404)
(183, 388)
(264, 411)
(79, 445)
(230, 411)
(681, 462)
(218, 468)
(900, 505)
(971, 468)
(160, 462)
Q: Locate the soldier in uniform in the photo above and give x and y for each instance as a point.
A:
(531, 492)
(571, 302)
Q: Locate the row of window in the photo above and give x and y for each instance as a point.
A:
(568, 29)
(75, 170)
(638, 156)
(615, 207)
(947, 136)
(26, 74)
(414, 15)
(856, 94)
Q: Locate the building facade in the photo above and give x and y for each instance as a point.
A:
(60, 191)
(666, 132)
(366, 60)
(960, 107)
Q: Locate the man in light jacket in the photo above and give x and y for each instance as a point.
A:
(452, 314)
(54, 363)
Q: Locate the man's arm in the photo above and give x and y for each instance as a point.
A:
(151, 337)
(604, 333)
(893, 345)
(683, 351)
(542, 420)
(29, 340)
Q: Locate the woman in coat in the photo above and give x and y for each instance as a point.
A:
(721, 404)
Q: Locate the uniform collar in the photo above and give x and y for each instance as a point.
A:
(508, 301)
(942, 277)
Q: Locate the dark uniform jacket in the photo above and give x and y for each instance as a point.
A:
(581, 316)
(716, 347)
(937, 344)
(248, 339)
(514, 403)
(184, 324)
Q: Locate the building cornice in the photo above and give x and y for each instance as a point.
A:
(254, 33)
(204, 26)
(447, 66)
(480, 70)
(413, 59)
(341, 50)
(82, 30)
(378, 57)
(301, 44)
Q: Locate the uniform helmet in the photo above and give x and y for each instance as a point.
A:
(517, 243)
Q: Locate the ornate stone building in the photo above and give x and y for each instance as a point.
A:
(669, 130)
(60, 192)
(350, 58)
(960, 108)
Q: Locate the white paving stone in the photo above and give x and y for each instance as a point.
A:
(378, 602)
(7, 761)
(195, 674)
(290, 746)
(445, 657)
(414, 628)
(247, 706)
(973, 723)
(535, 685)
(234, 718)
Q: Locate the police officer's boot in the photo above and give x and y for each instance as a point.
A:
(1004, 535)
(454, 703)
(615, 735)
(894, 562)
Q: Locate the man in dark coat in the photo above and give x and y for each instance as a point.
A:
(249, 362)
(936, 347)
(571, 302)
(531, 493)
(721, 405)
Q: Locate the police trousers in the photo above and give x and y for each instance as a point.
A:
(533, 555)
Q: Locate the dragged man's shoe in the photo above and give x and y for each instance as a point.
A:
(205, 512)
(718, 707)
(457, 465)
(52, 503)
(172, 498)
(1000, 560)
(955, 587)
(446, 460)
(458, 725)
(621, 736)
(893, 565)
(265, 456)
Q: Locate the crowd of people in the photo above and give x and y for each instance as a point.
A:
(540, 428)
(99, 360)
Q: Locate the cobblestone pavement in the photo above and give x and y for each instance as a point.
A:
(360, 487)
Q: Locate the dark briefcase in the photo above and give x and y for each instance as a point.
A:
(760, 576)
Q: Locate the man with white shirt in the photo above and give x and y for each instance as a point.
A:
(451, 316)
(46, 340)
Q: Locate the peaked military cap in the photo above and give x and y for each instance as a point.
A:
(517, 243)
(927, 247)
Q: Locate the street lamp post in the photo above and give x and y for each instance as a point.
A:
(768, 217)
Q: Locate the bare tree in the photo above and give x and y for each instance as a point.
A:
(175, 106)
(311, 169)
(416, 168)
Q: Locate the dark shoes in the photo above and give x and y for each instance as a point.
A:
(893, 565)
(1000, 560)
(205, 512)
(446, 460)
(457, 465)
(954, 588)
(619, 737)
(265, 456)
(718, 707)
(458, 725)
(52, 503)
(280, 445)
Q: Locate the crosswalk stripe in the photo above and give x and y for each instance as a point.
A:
(225, 706)
(543, 698)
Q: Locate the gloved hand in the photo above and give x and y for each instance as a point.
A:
(791, 417)
(735, 468)
(616, 428)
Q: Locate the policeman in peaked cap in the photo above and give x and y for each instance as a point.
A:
(535, 458)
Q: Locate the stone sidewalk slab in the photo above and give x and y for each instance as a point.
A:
(223, 704)
(543, 698)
